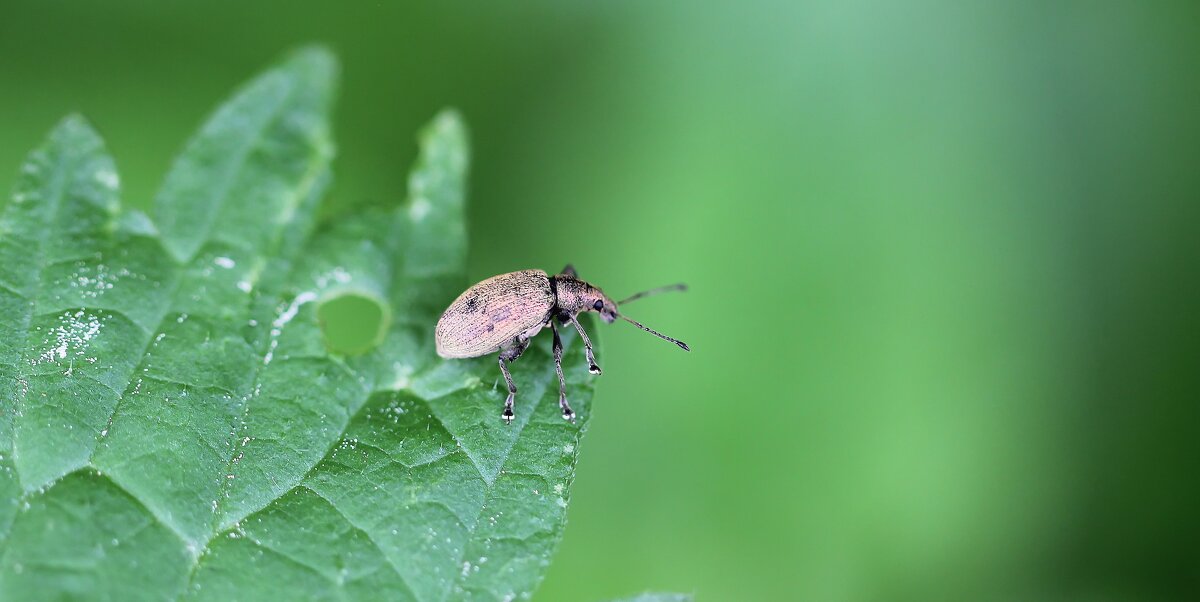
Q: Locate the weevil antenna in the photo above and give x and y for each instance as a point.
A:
(654, 291)
(656, 333)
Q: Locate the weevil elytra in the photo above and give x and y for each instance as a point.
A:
(503, 312)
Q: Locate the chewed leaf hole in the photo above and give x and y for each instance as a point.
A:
(353, 323)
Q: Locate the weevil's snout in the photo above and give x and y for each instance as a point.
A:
(606, 308)
(609, 312)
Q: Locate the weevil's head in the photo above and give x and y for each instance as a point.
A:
(607, 308)
(576, 296)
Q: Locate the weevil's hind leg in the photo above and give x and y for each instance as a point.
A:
(508, 355)
(587, 346)
(569, 270)
(567, 413)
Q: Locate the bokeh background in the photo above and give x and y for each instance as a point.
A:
(943, 259)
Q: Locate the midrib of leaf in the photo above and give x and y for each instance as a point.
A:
(223, 522)
(307, 187)
(222, 188)
(287, 88)
(225, 184)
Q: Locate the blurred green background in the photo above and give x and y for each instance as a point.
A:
(943, 259)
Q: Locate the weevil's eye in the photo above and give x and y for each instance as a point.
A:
(598, 305)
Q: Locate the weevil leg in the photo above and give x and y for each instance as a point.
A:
(508, 355)
(587, 346)
(512, 391)
(567, 413)
(569, 270)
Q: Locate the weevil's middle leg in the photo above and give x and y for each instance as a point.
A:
(507, 415)
(587, 346)
(508, 355)
(567, 413)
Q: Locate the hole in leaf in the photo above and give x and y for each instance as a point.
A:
(353, 323)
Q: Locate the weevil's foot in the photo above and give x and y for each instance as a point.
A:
(567, 413)
(594, 369)
(508, 415)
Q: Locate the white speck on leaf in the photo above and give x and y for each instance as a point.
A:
(74, 332)
(92, 282)
(294, 308)
(338, 275)
(283, 319)
(403, 376)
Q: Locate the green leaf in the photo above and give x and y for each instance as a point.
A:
(174, 422)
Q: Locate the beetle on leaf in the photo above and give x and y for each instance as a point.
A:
(503, 312)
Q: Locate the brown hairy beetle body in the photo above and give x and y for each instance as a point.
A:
(503, 312)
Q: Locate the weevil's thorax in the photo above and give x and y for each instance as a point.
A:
(576, 296)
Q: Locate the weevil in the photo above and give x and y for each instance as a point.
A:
(503, 312)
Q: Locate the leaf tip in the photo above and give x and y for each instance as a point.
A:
(74, 120)
(447, 123)
(315, 63)
(445, 137)
(75, 129)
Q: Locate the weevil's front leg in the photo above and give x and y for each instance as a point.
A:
(562, 381)
(506, 356)
(569, 270)
(587, 346)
